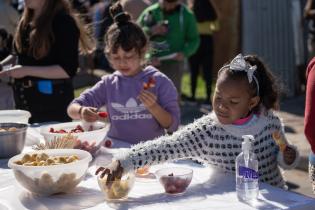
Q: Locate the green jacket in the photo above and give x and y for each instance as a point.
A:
(182, 33)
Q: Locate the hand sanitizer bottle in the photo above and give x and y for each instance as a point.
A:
(246, 166)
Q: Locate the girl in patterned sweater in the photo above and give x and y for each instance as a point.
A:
(244, 98)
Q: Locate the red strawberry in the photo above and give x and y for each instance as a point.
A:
(51, 130)
(152, 81)
(61, 131)
(108, 143)
(103, 114)
(150, 84)
(145, 86)
(79, 128)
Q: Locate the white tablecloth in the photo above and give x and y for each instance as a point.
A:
(210, 189)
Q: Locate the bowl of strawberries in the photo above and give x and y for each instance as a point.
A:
(175, 180)
(84, 139)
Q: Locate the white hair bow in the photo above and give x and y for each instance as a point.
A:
(239, 64)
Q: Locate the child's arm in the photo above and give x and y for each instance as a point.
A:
(288, 156)
(309, 118)
(184, 143)
(78, 112)
(88, 101)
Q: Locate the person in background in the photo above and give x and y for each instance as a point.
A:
(173, 33)
(102, 21)
(46, 46)
(6, 92)
(309, 117)
(5, 43)
(243, 103)
(141, 101)
(309, 15)
(207, 23)
(9, 19)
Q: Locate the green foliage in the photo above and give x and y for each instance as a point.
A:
(201, 88)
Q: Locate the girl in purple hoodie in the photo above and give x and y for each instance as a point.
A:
(142, 103)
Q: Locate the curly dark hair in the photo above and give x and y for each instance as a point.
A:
(268, 89)
(124, 33)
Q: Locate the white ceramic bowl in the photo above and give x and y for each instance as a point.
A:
(47, 180)
(97, 135)
(14, 116)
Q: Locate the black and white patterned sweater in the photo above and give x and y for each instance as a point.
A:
(216, 144)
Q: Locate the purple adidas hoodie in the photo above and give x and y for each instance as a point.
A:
(130, 121)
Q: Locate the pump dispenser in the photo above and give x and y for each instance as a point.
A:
(246, 166)
(246, 147)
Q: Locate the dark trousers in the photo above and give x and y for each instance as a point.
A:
(44, 107)
(202, 59)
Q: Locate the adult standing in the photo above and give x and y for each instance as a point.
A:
(207, 18)
(309, 117)
(9, 18)
(47, 47)
(102, 21)
(172, 29)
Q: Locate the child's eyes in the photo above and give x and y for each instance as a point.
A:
(234, 102)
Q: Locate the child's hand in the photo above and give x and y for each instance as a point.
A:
(289, 155)
(113, 171)
(148, 99)
(159, 29)
(89, 114)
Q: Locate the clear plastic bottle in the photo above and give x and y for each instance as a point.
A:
(246, 166)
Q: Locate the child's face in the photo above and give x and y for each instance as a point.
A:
(232, 100)
(127, 63)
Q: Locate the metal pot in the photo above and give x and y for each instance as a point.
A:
(12, 142)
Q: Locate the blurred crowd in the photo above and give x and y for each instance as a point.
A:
(97, 19)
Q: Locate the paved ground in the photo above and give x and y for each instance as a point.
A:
(292, 113)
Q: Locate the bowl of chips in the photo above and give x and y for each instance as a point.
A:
(51, 171)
